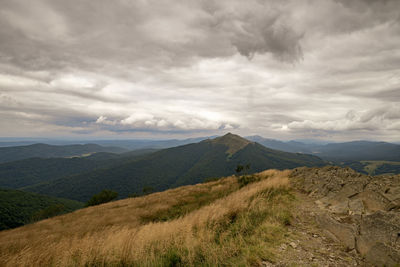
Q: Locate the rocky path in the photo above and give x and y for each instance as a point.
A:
(344, 218)
(309, 245)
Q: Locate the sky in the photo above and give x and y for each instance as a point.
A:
(288, 69)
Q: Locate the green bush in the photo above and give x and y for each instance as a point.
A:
(247, 179)
(51, 211)
(102, 197)
(147, 190)
(240, 169)
(134, 195)
(172, 258)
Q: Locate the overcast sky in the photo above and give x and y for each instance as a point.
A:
(288, 69)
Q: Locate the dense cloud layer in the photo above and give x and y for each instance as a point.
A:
(283, 69)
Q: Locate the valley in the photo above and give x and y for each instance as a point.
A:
(192, 205)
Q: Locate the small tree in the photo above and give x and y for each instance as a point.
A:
(245, 178)
(147, 190)
(247, 168)
(239, 169)
(102, 197)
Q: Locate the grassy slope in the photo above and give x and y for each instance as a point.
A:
(218, 223)
(173, 167)
(18, 207)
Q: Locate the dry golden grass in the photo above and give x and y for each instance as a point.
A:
(232, 226)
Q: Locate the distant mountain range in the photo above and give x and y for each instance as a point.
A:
(79, 171)
(338, 152)
(129, 144)
(359, 150)
(290, 146)
(50, 151)
(150, 144)
(348, 151)
(172, 167)
(58, 176)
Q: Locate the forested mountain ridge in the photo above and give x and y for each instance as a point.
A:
(173, 167)
(14, 153)
(28, 172)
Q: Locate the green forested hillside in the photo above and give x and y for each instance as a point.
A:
(50, 151)
(188, 164)
(373, 167)
(32, 171)
(28, 172)
(18, 208)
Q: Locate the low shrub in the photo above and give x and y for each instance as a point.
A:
(102, 197)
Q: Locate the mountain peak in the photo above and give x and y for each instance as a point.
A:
(232, 141)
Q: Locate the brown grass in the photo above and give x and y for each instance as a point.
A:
(231, 226)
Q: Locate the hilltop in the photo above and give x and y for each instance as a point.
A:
(233, 142)
(173, 167)
(308, 216)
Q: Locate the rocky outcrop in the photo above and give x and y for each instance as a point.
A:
(378, 238)
(363, 212)
(341, 231)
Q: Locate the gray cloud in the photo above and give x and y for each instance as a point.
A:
(127, 31)
(282, 69)
(383, 118)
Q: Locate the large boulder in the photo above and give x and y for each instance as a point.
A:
(378, 238)
(342, 231)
